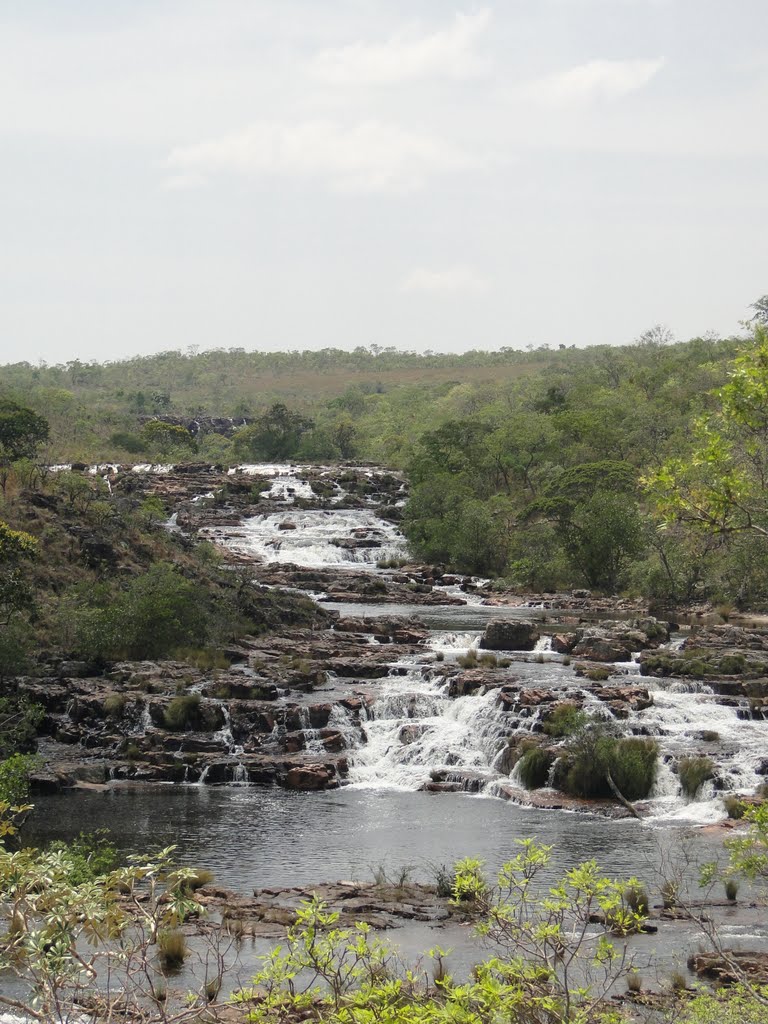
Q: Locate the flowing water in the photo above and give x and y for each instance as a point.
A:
(414, 730)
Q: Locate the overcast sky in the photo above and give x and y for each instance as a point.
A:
(281, 174)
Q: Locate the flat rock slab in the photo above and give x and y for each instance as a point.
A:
(270, 911)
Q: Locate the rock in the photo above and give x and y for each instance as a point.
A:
(74, 670)
(509, 635)
(563, 643)
(309, 777)
(597, 646)
(287, 526)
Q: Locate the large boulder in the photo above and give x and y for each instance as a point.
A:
(509, 635)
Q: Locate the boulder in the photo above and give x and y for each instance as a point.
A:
(509, 635)
(309, 777)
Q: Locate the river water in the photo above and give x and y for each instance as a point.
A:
(255, 837)
(463, 736)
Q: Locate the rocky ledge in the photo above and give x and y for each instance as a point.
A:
(383, 906)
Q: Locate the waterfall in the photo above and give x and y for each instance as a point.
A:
(319, 538)
(417, 728)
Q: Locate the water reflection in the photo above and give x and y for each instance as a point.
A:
(254, 836)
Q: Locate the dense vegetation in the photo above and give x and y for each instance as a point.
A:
(637, 469)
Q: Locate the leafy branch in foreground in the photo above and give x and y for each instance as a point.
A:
(88, 950)
(557, 954)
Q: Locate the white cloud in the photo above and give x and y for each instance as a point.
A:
(598, 79)
(460, 279)
(368, 156)
(448, 52)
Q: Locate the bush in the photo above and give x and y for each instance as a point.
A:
(693, 773)
(593, 752)
(200, 877)
(14, 778)
(634, 983)
(636, 898)
(158, 612)
(633, 764)
(172, 948)
(731, 889)
(183, 713)
(533, 768)
(565, 720)
(114, 705)
(734, 806)
(90, 856)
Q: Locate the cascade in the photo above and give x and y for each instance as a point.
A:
(415, 727)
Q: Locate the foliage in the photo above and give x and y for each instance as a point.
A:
(66, 937)
(90, 856)
(721, 486)
(275, 435)
(14, 777)
(694, 772)
(19, 719)
(594, 755)
(157, 611)
(164, 438)
(547, 966)
(22, 432)
(183, 713)
(533, 767)
(748, 854)
(735, 1005)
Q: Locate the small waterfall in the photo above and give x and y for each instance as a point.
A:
(417, 728)
(203, 776)
(454, 642)
(544, 643)
(320, 538)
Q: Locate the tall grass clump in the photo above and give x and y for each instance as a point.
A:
(183, 713)
(693, 773)
(172, 948)
(533, 768)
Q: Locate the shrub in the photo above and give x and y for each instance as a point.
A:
(636, 898)
(14, 777)
(468, 660)
(669, 895)
(158, 612)
(114, 705)
(597, 674)
(201, 877)
(488, 660)
(734, 806)
(533, 768)
(693, 773)
(88, 857)
(593, 752)
(731, 889)
(677, 982)
(565, 720)
(633, 764)
(444, 879)
(183, 713)
(172, 948)
(634, 983)
(732, 664)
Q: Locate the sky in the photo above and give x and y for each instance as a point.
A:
(429, 175)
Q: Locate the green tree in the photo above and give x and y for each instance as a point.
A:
(16, 547)
(165, 438)
(274, 435)
(721, 486)
(22, 432)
